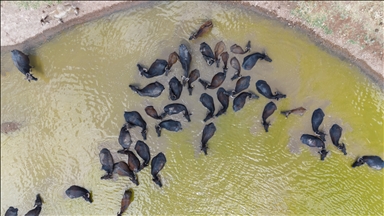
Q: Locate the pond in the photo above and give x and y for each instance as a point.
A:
(76, 108)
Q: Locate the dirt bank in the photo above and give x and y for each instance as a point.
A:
(21, 26)
(353, 30)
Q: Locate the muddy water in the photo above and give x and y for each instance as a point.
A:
(76, 108)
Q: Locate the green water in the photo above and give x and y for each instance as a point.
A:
(76, 108)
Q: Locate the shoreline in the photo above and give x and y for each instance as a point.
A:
(373, 68)
(34, 34)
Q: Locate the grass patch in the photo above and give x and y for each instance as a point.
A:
(327, 30)
(33, 4)
(315, 20)
(318, 21)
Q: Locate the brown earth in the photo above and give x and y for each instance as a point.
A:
(352, 30)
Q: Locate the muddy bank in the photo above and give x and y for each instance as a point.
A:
(347, 31)
(21, 28)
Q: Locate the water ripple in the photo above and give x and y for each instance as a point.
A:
(76, 109)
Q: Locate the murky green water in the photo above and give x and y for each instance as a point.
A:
(76, 108)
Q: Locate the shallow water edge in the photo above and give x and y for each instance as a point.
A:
(376, 75)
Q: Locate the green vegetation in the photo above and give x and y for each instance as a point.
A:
(352, 41)
(33, 4)
(353, 16)
(305, 11)
(327, 30)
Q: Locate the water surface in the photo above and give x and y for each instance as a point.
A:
(76, 109)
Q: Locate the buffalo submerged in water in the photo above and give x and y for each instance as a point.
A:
(133, 162)
(172, 59)
(239, 101)
(236, 65)
(208, 132)
(314, 141)
(193, 76)
(225, 56)
(151, 90)
(176, 108)
(335, 133)
(107, 162)
(207, 53)
(134, 119)
(76, 191)
(219, 49)
(124, 139)
(122, 169)
(151, 111)
(217, 80)
(142, 150)
(241, 84)
(264, 89)
(38, 204)
(223, 97)
(207, 102)
(185, 59)
(299, 111)
(175, 88)
(269, 109)
(207, 26)
(238, 50)
(316, 120)
(170, 125)
(11, 211)
(157, 68)
(157, 164)
(125, 201)
(21, 61)
(250, 60)
(372, 161)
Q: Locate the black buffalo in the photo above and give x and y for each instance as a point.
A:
(151, 90)
(208, 132)
(134, 119)
(170, 125)
(157, 164)
(21, 61)
(250, 60)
